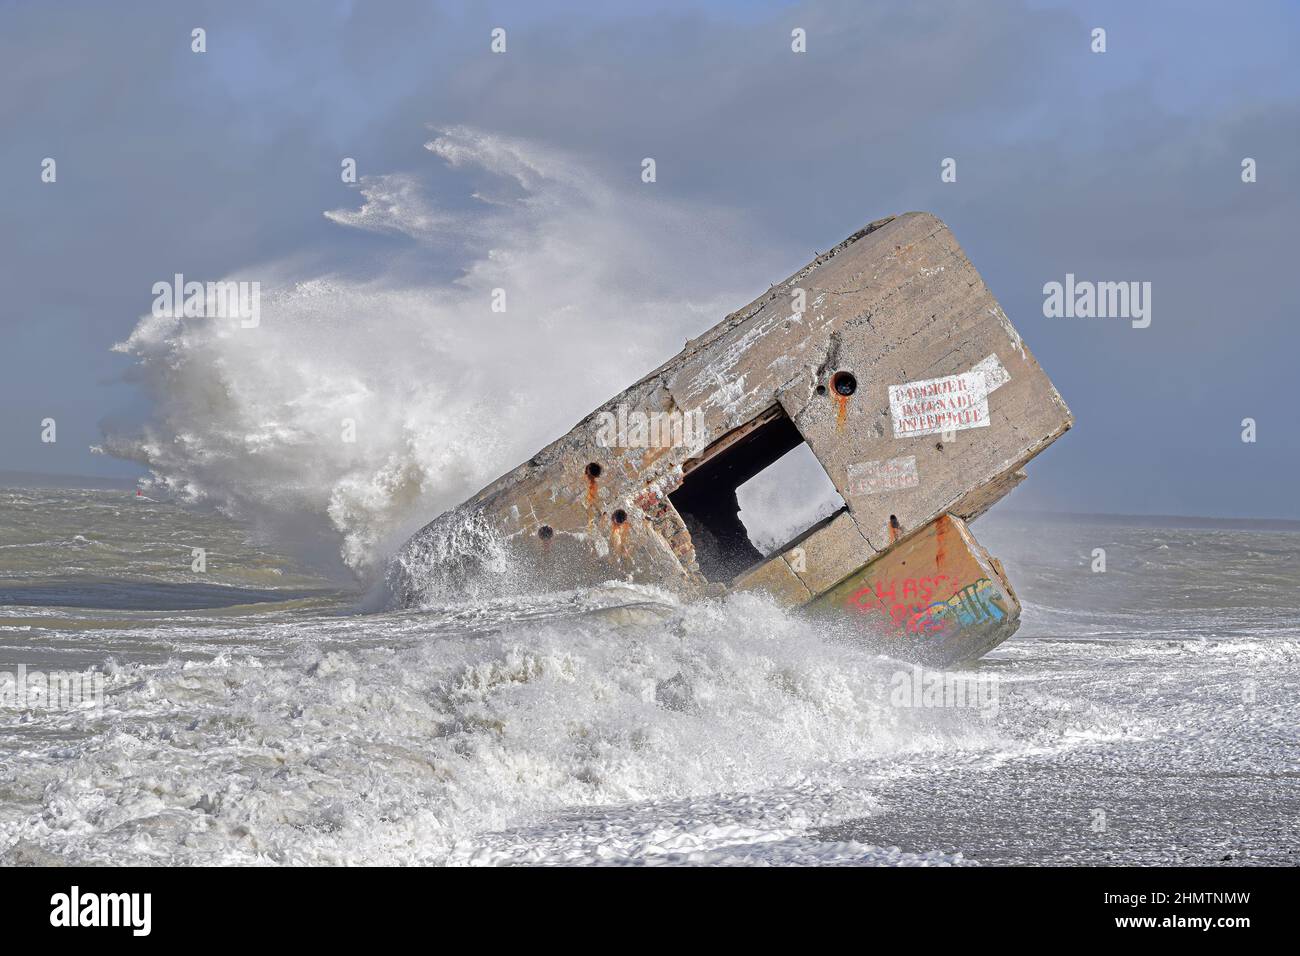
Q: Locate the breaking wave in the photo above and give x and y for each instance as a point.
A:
(441, 734)
(441, 394)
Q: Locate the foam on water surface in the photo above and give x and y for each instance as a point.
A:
(617, 726)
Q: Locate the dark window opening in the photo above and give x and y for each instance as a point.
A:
(779, 504)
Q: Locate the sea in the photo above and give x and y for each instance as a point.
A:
(209, 699)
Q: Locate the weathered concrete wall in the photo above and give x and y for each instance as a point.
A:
(936, 597)
(898, 338)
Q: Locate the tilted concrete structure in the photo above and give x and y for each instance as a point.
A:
(891, 359)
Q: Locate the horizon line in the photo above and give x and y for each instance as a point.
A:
(64, 480)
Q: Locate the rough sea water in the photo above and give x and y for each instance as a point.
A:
(252, 713)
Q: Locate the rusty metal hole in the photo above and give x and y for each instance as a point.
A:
(844, 383)
(893, 523)
(546, 532)
(593, 470)
(620, 516)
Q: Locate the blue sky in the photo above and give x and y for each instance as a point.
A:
(1116, 166)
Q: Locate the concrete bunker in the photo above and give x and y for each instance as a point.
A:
(909, 386)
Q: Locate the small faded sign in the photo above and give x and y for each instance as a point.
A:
(873, 477)
(995, 375)
(950, 403)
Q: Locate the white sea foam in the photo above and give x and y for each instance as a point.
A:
(438, 744)
(614, 725)
(603, 281)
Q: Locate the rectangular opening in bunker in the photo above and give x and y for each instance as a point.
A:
(750, 493)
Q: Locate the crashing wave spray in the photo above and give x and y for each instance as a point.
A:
(437, 393)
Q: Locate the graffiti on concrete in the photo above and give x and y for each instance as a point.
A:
(976, 603)
(931, 605)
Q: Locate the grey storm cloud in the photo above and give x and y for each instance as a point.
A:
(1117, 166)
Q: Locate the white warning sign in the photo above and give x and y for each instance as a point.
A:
(950, 403)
